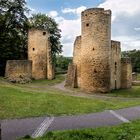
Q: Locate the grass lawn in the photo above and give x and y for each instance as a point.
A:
(130, 131)
(138, 78)
(19, 101)
(131, 93)
(59, 78)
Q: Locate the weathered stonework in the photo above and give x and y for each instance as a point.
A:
(126, 73)
(39, 51)
(95, 50)
(77, 58)
(71, 78)
(115, 65)
(39, 65)
(96, 58)
(50, 65)
(19, 71)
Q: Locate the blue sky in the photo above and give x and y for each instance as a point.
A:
(125, 19)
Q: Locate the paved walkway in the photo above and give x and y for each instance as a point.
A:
(13, 129)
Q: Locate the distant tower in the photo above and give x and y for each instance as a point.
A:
(39, 51)
(126, 73)
(115, 65)
(96, 50)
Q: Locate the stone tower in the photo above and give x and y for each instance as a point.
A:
(115, 65)
(96, 50)
(126, 73)
(97, 65)
(39, 51)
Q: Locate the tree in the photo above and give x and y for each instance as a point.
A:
(63, 62)
(135, 58)
(42, 21)
(13, 33)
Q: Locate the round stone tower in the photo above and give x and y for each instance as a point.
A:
(96, 50)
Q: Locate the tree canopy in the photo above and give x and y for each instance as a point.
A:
(63, 62)
(14, 26)
(135, 58)
(42, 21)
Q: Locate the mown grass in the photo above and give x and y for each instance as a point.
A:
(130, 131)
(58, 79)
(29, 100)
(138, 78)
(131, 93)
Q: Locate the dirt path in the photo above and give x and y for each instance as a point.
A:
(73, 92)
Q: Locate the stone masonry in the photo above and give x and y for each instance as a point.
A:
(115, 65)
(39, 64)
(72, 76)
(19, 71)
(97, 59)
(77, 58)
(126, 72)
(39, 52)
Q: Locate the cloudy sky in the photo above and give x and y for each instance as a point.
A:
(125, 19)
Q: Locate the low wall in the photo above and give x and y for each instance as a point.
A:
(19, 71)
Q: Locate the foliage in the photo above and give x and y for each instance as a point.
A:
(62, 62)
(138, 78)
(42, 21)
(129, 131)
(13, 26)
(135, 58)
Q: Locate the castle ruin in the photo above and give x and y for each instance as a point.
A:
(39, 52)
(97, 65)
(39, 64)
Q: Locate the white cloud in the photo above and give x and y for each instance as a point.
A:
(125, 23)
(53, 14)
(127, 7)
(128, 42)
(70, 29)
(137, 28)
(68, 10)
(74, 11)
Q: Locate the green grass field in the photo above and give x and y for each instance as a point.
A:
(39, 99)
(138, 78)
(129, 131)
(134, 92)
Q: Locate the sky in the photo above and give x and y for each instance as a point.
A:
(67, 13)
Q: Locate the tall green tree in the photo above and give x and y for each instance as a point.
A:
(63, 62)
(13, 31)
(135, 58)
(42, 21)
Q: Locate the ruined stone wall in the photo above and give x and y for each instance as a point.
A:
(126, 73)
(18, 70)
(71, 77)
(39, 52)
(96, 50)
(50, 65)
(77, 58)
(115, 65)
